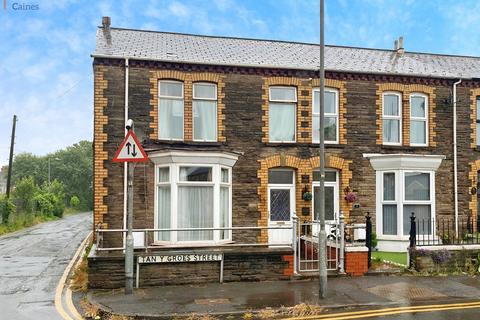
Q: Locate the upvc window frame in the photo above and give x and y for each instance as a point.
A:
(175, 183)
(429, 202)
(215, 99)
(277, 101)
(395, 201)
(424, 119)
(400, 201)
(182, 98)
(477, 121)
(336, 196)
(329, 115)
(390, 117)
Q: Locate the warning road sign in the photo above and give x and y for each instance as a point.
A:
(130, 150)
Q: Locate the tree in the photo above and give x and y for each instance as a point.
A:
(73, 169)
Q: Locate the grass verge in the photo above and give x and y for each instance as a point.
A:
(24, 220)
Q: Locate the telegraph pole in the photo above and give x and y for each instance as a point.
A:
(322, 245)
(10, 159)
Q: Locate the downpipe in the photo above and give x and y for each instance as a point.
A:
(455, 164)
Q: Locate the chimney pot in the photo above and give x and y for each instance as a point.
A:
(395, 45)
(400, 48)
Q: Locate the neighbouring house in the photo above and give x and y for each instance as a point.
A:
(230, 126)
(3, 179)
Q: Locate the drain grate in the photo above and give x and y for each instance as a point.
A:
(404, 291)
(212, 301)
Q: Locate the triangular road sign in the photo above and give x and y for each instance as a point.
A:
(130, 150)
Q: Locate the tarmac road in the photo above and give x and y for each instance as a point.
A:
(462, 314)
(32, 262)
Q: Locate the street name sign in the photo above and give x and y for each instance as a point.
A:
(130, 150)
(172, 258)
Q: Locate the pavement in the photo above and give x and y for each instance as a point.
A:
(31, 263)
(237, 298)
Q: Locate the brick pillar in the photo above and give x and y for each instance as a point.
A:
(356, 261)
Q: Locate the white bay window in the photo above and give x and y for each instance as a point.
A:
(405, 183)
(404, 192)
(193, 195)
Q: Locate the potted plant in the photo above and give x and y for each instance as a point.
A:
(350, 196)
(307, 196)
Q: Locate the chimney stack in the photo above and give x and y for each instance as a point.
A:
(400, 48)
(106, 21)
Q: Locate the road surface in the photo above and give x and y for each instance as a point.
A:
(32, 262)
(462, 314)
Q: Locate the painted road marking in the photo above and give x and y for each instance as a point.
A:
(391, 311)
(61, 285)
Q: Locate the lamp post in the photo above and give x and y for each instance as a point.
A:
(49, 169)
(322, 245)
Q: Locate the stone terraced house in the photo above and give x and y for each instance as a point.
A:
(230, 126)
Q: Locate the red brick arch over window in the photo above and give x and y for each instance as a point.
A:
(303, 167)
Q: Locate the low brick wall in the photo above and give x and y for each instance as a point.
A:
(356, 261)
(449, 258)
(106, 271)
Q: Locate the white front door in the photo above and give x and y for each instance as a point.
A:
(331, 200)
(281, 205)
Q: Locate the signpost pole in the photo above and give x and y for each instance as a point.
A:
(129, 240)
(130, 151)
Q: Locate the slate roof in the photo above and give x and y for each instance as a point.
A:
(196, 49)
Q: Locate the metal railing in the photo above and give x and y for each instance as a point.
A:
(147, 234)
(337, 238)
(303, 240)
(443, 231)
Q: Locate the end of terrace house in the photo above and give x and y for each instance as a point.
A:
(230, 126)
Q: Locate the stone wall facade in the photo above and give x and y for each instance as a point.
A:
(243, 127)
(257, 264)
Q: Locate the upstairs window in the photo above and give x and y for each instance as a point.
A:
(170, 110)
(282, 114)
(331, 116)
(392, 118)
(204, 112)
(478, 121)
(418, 120)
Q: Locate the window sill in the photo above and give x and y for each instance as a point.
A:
(303, 144)
(160, 244)
(407, 148)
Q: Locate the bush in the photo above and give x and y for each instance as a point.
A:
(45, 203)
(24, 193)
(7, 208)
(55, 194)
(74, 202)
